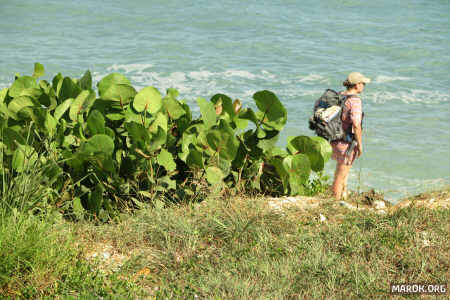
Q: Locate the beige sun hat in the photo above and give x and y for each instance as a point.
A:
(356, 77)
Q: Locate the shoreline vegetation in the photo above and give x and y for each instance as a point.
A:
(126, 195)
(230, 248)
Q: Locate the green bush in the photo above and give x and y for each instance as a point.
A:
(125, 147)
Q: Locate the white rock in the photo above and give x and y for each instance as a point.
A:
(379, 204)
(322, 218)
(106, 255)
(346, 205)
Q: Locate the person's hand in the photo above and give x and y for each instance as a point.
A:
(359, 150)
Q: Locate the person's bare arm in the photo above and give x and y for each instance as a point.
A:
(357, 130)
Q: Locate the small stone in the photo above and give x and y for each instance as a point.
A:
(106, 255)
(346, 205)
(379, 204)
(322, 218)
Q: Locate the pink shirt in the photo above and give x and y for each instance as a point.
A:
(352, 113)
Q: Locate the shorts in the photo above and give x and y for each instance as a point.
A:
(339, 149)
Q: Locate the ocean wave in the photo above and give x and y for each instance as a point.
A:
(128, 68)
(243, 83)
(384, 78)
(198, 83)
(201, 75)
(311, 78)
(408, 97)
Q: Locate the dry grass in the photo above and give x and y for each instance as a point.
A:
(240, 248)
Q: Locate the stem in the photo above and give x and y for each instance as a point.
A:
(240, 171)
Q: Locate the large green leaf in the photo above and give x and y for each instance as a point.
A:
(148, 99)
(122, 93)
(81, 104)
(208, 112)
(50, 124)
(274, 114)
(109, 80)
(194, 158)
(226, 102)
(38, 70)
(85, 82)
(21, 84)
(324, 146)
(277, 162)
(57, 79)
(166, 184)
(62, 108)
(185, 141)
(248, 114)
(139, 135)
(214, 175)
(298, 168)
(224, 165)
(99, 143)
(173, 108)
(78, 209)
(24, 158)
(223, 142)
(34, 93)
(165, 159)
(68, 89)
(19, 103)
(268, 143)
(96, 198)
(160, 121)
(115, 116)
(6, 112)
(12, 137)
(96, 123)
(317, 149)
(3, 94)
(158, 139)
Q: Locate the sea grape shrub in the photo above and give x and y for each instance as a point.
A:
(123, 147)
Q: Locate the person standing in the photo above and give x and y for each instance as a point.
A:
(351, 122)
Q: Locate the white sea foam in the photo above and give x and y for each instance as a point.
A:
(268, 75)
(243, 83)
(176, 80)
(248, 94)
(201, 75)
(240, 73)
(128, 68)
(408, 97)
(296, 92)
(194, 83)
(384, 78)
(311, 78)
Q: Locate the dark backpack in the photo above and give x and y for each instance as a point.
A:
(327, 118)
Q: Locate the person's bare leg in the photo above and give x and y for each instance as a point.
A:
(340, 176)
(344, 188)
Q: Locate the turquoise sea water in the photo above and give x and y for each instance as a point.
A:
(296, 49)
